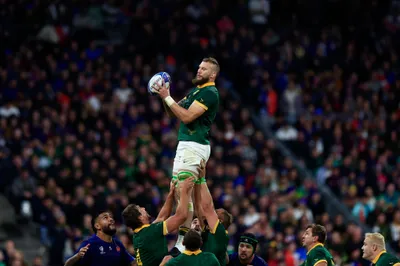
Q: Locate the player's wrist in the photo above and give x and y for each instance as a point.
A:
(169, 100)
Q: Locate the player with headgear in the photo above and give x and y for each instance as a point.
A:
(246, 254)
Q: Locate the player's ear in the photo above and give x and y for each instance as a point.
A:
(97, 226)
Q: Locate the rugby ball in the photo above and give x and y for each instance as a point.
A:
(157, 79)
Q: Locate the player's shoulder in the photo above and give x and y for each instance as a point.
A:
(258, 261)
(207, 254)
(91, 240)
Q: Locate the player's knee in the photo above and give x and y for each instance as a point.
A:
(184, 175)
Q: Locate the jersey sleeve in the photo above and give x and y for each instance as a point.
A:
(207, 99)
(126, 257)
(158, 229)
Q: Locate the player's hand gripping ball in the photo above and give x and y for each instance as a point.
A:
(157, 79)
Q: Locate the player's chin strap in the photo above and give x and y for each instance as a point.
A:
(249, 240)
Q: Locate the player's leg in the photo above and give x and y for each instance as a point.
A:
(186, 165)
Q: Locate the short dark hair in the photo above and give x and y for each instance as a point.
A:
(131, 216)
(213, 61)
(319, 231)
(96, 216)
(192, 240)
(227, 218)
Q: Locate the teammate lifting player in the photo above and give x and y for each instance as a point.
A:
(149, 239)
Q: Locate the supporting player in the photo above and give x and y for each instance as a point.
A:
(102, 248)
(192, 255)
(149, 239)
(374, 251)
(313, 239)
(246, 254)
(196, 112)
(216, 239)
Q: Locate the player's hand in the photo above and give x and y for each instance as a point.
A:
(202, 169)
(165, 260)
(187, 185)
(162, 90)
(172, 187)
(83, 251)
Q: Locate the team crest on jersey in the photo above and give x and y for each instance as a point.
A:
(101, 250)
(118, 249)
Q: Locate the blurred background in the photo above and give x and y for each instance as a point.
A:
(308, 129)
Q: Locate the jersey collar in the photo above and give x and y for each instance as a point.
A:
(190, 253)
(137, 230)
(378, 256)
(206, 85)
(316, 245)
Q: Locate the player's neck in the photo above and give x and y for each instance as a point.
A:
(104, 237)
(313, 245)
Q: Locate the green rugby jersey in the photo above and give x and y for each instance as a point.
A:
(217, 243)
(317, 254)
(207, 97)
(386, 259)
(194, 258)
(150, 244)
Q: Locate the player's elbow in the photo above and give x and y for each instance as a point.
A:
(187, 120)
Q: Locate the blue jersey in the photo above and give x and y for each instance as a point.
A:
(101, 253)
(257, 261)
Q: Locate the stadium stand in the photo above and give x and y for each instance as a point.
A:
(79, 133)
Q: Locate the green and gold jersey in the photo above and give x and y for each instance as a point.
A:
(217, 243)
(150, 244)
(386, 259)
(195, 258)
(207, 97)
(317, 254)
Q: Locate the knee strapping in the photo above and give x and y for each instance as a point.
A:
(184, 175)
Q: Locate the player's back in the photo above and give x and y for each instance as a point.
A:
(318, 254)
(387, 259)
(207, 97)
(197, 258)
(150, 244)
(217, 243)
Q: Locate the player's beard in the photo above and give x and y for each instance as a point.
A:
(109, 231)
(200, 81)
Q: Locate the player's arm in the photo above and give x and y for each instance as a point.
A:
(167, 260)
(166, 210)
(207, 202)
(195, 110)
(186, 116)
(168, 110)
(82, 250)
(173, 222)
(198, 207)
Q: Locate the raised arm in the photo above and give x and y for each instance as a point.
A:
(206, 201)
(166, 210)
(173, 222)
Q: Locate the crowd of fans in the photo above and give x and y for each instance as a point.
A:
(79, 133)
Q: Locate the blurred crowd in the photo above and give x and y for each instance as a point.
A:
(79, 133)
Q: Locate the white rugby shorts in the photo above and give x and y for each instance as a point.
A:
(189, 155)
